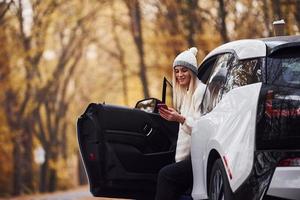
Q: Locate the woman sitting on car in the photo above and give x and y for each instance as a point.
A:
(175, 179)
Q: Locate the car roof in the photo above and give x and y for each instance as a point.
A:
(253, 48)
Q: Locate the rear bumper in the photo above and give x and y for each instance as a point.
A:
(257, 185)
(285, 183)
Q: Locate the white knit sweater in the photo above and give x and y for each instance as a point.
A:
(191, 113)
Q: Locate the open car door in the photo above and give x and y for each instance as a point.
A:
(123, 148)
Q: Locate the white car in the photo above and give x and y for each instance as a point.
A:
(250, 124)
(246, 144)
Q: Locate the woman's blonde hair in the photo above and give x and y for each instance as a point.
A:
(179, 92)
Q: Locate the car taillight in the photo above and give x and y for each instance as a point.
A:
(283, 105)
(289, 162)
(269, 98)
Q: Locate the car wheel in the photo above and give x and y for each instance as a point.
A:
(219, 188)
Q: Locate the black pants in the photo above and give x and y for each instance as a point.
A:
(174, 180)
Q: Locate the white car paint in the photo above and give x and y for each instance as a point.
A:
(229, 129)
(244, 49)
(285, 183)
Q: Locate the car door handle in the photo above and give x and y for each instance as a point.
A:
(147, 130)
(150, 131)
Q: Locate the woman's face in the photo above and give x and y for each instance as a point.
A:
(182, 75)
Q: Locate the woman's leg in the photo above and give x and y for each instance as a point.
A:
(174, 180)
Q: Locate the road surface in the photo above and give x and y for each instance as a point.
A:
(76, 194)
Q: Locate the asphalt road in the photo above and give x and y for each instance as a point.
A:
(76, 194)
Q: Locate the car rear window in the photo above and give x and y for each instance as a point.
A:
(284, 68)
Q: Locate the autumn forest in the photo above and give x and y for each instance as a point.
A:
(57, 56)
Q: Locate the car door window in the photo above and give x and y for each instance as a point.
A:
(168, 96)
(215, 84)
(206, 68)
(243, 72)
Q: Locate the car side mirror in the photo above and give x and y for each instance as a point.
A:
(148, 105)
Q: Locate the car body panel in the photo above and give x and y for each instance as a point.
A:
(230, 130)
(276, 43)
(244, 49)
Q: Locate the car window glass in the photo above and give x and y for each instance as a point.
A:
(205, 69)
(169, 94)
(216, 82)
(243, 72)
(284, 68)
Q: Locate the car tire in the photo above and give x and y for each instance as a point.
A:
(219, 188)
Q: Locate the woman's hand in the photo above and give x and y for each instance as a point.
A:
(171, 114)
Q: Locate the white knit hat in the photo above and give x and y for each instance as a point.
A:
(187, 59)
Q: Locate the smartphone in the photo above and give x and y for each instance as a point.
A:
(162, 105)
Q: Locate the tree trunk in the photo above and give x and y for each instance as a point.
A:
(276, 7)
(44, 174)
(53, 173)
(136, 30)
(52, 180)
(191, 21)
(286, 8)
(297, 14)
(4, 7)
(28, 159)
(267, 18)
(222, 22)
(120, 57)
(63, 139)
(172, 21)
(22, 119)
(17, 167)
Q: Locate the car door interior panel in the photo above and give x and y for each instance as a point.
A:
(121, 146)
